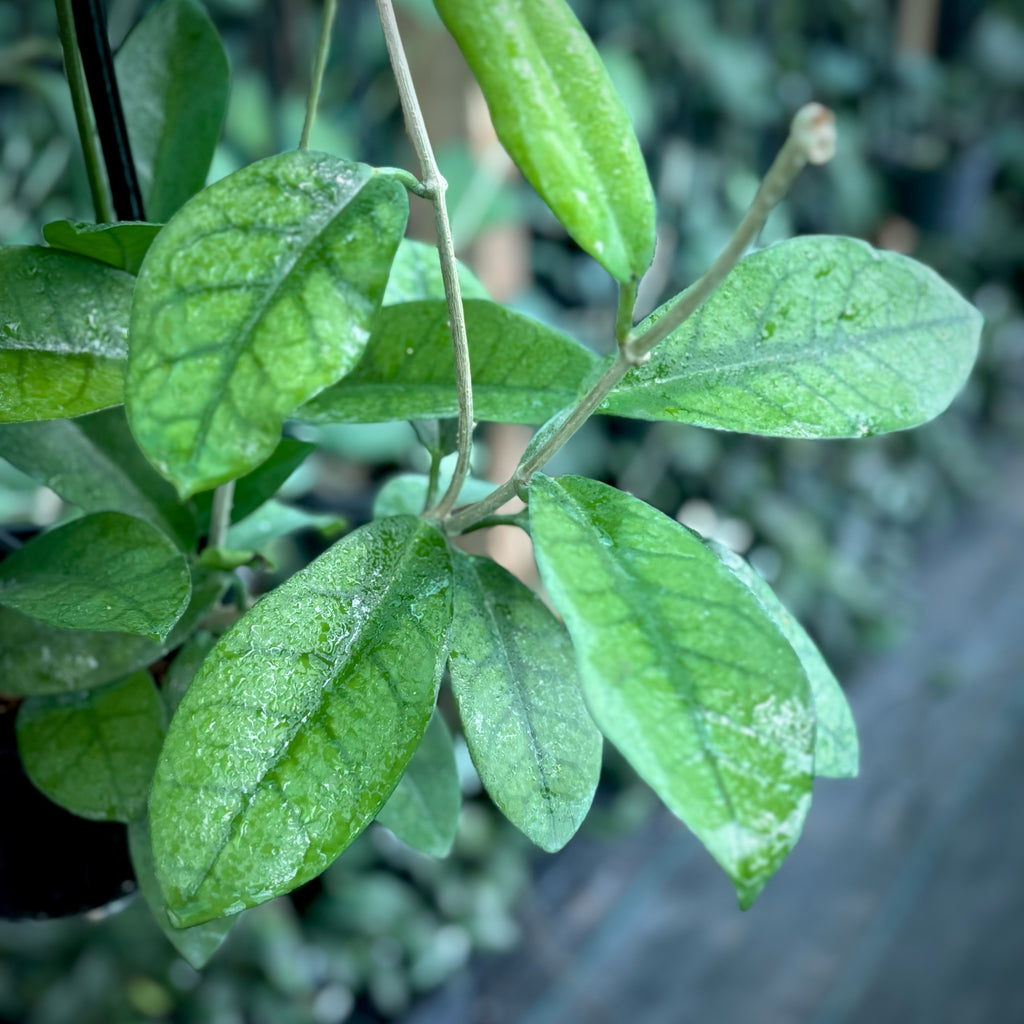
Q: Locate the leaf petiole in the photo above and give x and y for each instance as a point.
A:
(323, 46)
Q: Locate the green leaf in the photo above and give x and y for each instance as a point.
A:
(814, 337)
(406, 494)
(836, 751)
(182, 670)
(38, 659)
(682, 670)
(94, 752)
(273, 520)
(258, 294)
(423, 811)
(63, 334)
(93, 463)
(173, 76)
(301, 721)
(416, 274)
(523, 371)
(556, 112)
(513, 674)
(197, 944)
(121, 245)
(105, 571)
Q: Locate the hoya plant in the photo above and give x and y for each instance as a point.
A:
(152, 362)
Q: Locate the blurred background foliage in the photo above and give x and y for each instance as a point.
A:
(929, 96)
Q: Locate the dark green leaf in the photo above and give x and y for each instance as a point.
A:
(406, 494)
(513, 673)
(173, 77)
(105, 571)
(39, 659)
(121, 245)
(423, 811)
(556, 112)
(94, 752)
(195, 944)
(255, 296)
(416, 274)
(63, 334)
(301, 721)
(682, 670)
(523, 371)
(93, 463)
(814, 337)
(836, 751)
(182, 670)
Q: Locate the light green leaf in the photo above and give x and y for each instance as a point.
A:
(523, 371)
(815, 337)
(93, 463)
(195, 944)
(105, 571)
(556, 112)
(63, 334)
(682, 670)
(94, 752)
(173, 76)
(836, 751)
(37, 659)
(274, 519)
(301, 721)
(258, 294)
(513, 674)
(122, 245)
(182, 670)
(406, 494)
(423, 811)
(416, 274)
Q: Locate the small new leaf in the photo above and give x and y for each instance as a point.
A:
(682, 670)
(122, 245)
(258, 294)
(301, 721)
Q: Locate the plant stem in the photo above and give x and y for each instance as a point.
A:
(811, 139)
(83, 113)
(220, 514)
(624, 316)
(323, 46)
(436, 186)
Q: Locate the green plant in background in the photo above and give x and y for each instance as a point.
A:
(287, 292)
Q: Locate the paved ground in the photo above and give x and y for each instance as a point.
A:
(904, 901)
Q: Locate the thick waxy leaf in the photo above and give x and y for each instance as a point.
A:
(513, 674)
(556, 112)
(105, 571)
(121, 245)
(255, 297)
(682, 670)
(182, 670)
(836, 751)
(38, 659)
(301, 721)
(406, 494)
(814, 337)
(63, 334)
(94, 752)
(173, 77)
(416, 274)
(195, 944)
(522, 371)
(423, 811)
(94, 463)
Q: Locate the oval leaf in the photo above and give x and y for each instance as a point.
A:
(556, 112)
(416, 275)
(252, 299)
(122, 245)
(173, 76)
(814, 337)
(301, 722)
(406, 494)
(513, 674)
(523, 371)
(682, 670)
(423, 811)
(63, 334)
(836, 751)
(94, 752)
(106, 571)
